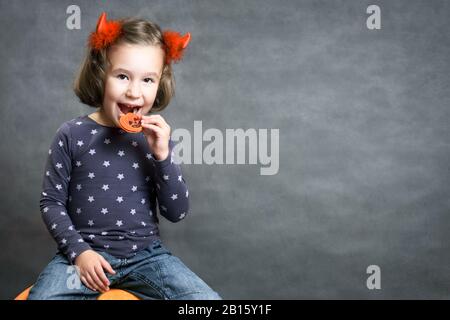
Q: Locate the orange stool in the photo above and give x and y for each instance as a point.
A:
(112, 294)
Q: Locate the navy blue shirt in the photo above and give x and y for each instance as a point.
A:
(101, 188)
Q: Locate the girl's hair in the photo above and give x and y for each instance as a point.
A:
(89, 84)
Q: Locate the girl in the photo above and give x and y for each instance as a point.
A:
(106, 170)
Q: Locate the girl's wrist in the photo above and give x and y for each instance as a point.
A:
(161, 156)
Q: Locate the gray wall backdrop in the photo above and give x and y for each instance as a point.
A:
(364, 141)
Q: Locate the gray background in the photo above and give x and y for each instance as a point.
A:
(364, 141)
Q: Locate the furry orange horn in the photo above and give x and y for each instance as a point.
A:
(105, 34)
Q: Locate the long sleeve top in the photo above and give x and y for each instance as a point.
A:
(101, 188)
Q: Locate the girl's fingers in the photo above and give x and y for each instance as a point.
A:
(153, 127)
(107, 266)
(157, 120)
(102, 277)
(98, 283)
(85, 282)
(90, 284)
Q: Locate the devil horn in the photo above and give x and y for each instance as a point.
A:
(186, 39)
(101, 24)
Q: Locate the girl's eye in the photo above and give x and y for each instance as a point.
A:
(122, 76)
(149, 80)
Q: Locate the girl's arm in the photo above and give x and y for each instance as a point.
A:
(170, 187)
(55, 194)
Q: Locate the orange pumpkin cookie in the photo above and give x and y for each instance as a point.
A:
(131, 122)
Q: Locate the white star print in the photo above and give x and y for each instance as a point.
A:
(105, 187)
(147, 178)
(120, 176)
(80, 240)
(80, 143)
(62, 213)
(165, 177)
(58, 186)
(149, 156)
(133, 211)
(143, 223)
(60, 143)
(92, 152)
(44, 193)
(73, 255)
(121, 153)
(143, 201)
(121, 237)
(91, 223)
(180, 178)
(45, 209)
(47, 173)
(78, 210)
(150, 213)
(134, 247)
(49, 151)
(106, 246)
(104, 210)
(63, 241)
(54, 226)
(106, 163)
(91, 236)
(78, 187)
(93, 131)
(119, 199)
(119, 223)
(182, 215)
(107, 141)
(134, 144)
(163, 208)
(78, 164)
(187, 194)
(91, 199)
(59, 165)
(70, 228)
(174, 196)
(104, 233)
(91, 175)
(135, 165)
(79, 123)
(134, 188)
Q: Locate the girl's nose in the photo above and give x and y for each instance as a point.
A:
(133, 91)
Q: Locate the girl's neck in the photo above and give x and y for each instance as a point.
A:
(99, 117)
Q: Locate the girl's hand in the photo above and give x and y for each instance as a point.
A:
(157, 133)
(91, 265)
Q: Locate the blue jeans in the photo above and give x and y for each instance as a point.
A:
(154, 273)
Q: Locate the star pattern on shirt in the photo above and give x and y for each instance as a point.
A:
(108, 183)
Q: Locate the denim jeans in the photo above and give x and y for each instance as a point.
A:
(154, 273)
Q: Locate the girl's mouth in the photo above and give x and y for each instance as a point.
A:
(127, 108)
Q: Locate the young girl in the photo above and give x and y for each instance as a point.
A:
(106, 171)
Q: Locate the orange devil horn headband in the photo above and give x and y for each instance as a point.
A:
(105, 33)
(108, 31)
(175, 45)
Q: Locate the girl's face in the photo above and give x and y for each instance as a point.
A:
(132, 80)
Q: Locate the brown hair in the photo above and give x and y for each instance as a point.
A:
(90, 81)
